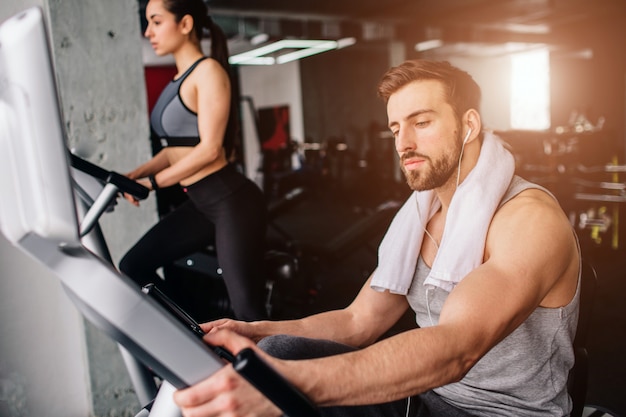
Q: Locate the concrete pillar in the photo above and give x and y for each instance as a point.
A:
(52, 362)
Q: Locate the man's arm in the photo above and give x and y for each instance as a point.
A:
(359, 324)
(227, 393)
(532, 259)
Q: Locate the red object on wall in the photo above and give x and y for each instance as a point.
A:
(274, 127)
(156, 79)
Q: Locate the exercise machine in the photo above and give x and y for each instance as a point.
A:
(96, 191)
(38, 215)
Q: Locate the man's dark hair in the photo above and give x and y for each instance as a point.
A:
(462, 92)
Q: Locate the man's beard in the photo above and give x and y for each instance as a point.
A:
(439, 172)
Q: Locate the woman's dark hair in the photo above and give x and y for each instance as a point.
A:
(197, 9)
(462, 92)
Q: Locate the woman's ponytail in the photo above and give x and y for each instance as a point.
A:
(219, 45)
(219, 52)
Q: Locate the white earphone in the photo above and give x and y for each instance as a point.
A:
(469, 132)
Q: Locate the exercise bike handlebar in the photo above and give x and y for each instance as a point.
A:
(114, 183)
(123, 183)
(255, 370)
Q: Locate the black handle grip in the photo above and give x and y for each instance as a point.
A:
(184, 317)
(124, 184)
(276, 388)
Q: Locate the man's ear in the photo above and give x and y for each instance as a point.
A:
(471, 120)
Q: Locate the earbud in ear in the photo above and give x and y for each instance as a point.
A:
(469, 132)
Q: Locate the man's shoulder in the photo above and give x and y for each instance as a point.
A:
(520, 185)
(531, 227)
(528, 204)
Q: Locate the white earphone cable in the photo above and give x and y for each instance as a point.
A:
(458, 171)
(408, 406)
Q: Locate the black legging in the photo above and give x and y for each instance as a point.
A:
(225, 209)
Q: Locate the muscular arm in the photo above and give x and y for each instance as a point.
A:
(531, 260)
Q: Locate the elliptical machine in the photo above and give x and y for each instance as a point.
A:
(38, 215)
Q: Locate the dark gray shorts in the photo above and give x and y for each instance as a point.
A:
(427, 404)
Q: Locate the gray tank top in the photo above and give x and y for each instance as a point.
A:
(525, 374)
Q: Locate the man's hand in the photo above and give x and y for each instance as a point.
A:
(225, 393)
(242, 328)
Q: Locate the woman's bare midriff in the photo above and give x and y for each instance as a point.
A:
(176, 153)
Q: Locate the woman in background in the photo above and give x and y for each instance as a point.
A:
(195, 120)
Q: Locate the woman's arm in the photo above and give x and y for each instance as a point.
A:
(158, 163)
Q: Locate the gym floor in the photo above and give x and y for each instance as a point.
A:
(315, 222)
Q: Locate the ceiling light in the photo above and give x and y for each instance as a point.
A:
(342, 43)
(426, 45)
(287, 50)
(259, 39)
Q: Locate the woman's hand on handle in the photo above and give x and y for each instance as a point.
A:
(143, 181)
(131, 199)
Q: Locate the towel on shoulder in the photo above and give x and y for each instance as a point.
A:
(463, 242)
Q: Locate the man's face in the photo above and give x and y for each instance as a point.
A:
(427, 134)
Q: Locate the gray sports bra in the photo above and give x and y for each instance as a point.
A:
(171, 121)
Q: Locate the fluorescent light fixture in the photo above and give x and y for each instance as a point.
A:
(301, 48)
(343, 42)
(259, 39)
(323, 46)
(426, 45)
(259, 60)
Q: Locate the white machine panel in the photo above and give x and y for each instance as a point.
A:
(35, 188)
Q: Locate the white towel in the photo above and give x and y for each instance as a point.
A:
(469, 215)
